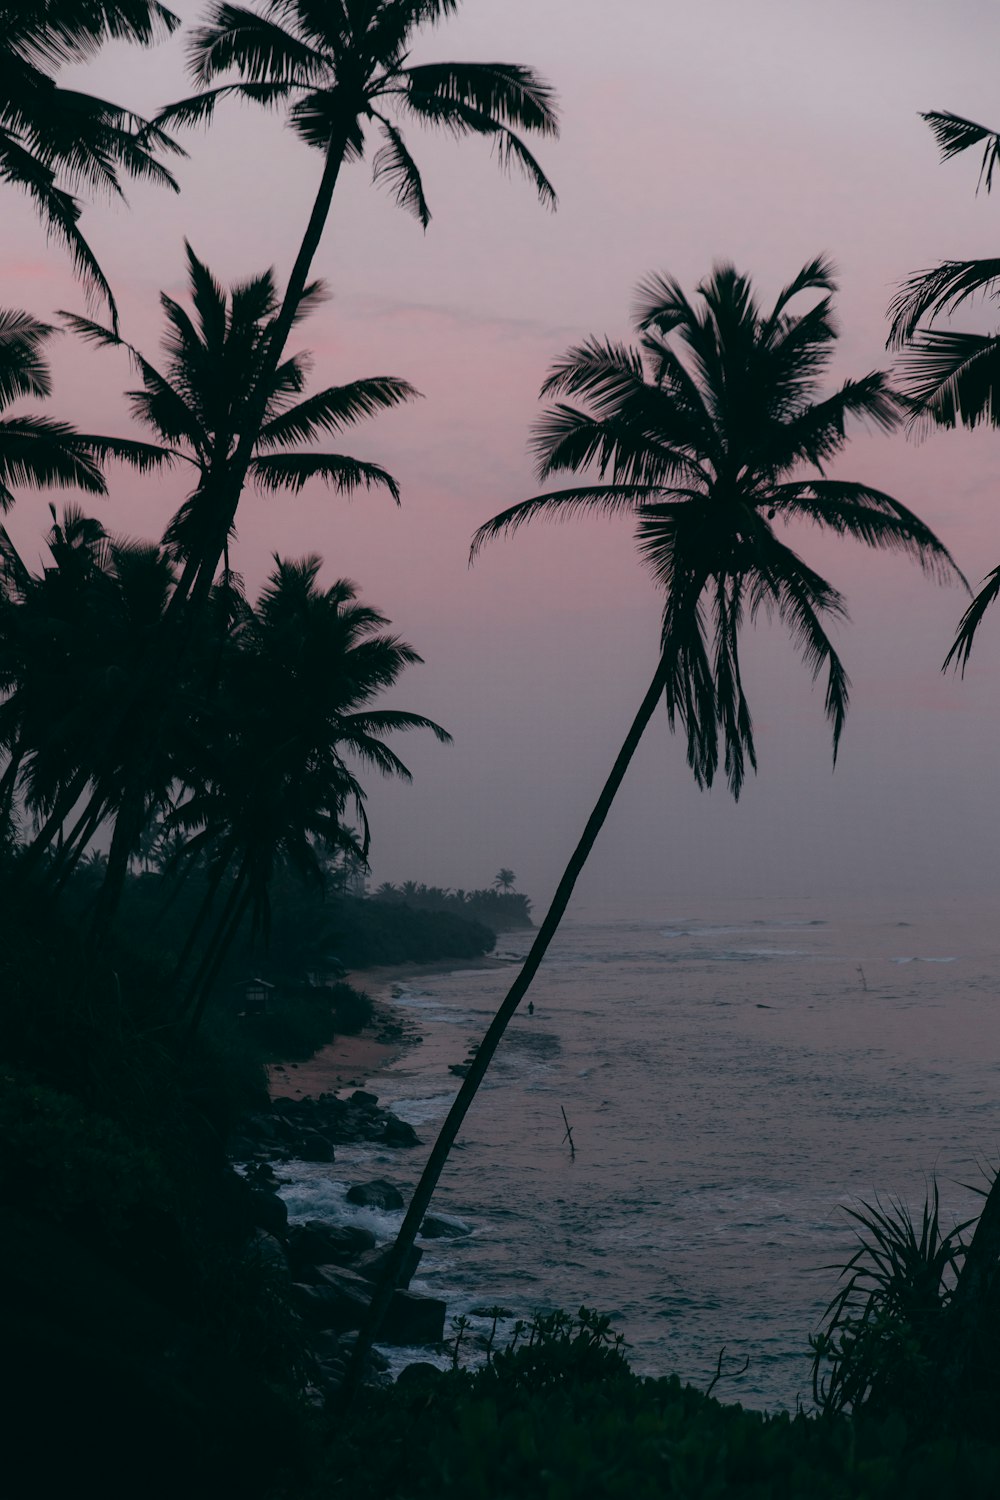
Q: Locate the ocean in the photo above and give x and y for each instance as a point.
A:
(735, 1076)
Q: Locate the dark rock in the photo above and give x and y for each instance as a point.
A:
(371, 1263)
(377, 1194)
(319, 1244)
(269, 1252)
(376, 1359)
(435, 1228)
(311, 1146)
(398, 1132)
(361, 1098)
(337, 1304)
(413, 1320)
(420, 1375)
(268, 1212)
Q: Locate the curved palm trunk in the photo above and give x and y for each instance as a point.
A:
(491, 1040)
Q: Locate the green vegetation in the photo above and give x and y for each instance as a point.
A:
(496, 907)
(562, 1415)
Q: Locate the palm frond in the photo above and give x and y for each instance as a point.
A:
(37, 452)
(604, 499)
(970, 622)
(870, 516)
(953, 377)
(954, 135)
(262, 50)
(336, 408)
(393, 165)
(292, 471)
(506, 93)
(939, 291)
(23, 368)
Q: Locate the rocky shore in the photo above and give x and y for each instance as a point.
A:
(329, 1269)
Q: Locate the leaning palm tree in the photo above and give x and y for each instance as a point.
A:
(953, 377)
(342, 71)
(705, 435)
(53, 139)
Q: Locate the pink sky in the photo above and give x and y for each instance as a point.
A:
(760, 131)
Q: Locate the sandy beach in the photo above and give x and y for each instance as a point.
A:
(354, 1061)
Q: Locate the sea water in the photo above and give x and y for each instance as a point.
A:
(735, 1077)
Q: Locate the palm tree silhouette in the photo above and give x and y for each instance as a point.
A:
(216, 373)
(952, 377)
(72, 639)
(271, 771)
(341, 70)
(199, 406)
(504, 880)
(51, 138)
(698, 435)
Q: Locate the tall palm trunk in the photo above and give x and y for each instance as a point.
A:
(488, 1046)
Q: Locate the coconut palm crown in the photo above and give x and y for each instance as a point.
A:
(952, 377)
(199, 403)
(701, 434)
(54, 140)
(342, 69)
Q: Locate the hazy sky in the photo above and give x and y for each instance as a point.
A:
(757, 131)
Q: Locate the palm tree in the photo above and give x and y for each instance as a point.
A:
(53, 139)
(270, 775)
(198, 406)
(72, 639)
(504, 880)
(700, 435)
(341, 70)
(952, 377)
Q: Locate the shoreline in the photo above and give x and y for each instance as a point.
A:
(355, 1061)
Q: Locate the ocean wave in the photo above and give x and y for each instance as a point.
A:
(921, 959)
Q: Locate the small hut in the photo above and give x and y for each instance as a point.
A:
(255, 996)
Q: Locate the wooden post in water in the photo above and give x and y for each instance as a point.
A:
(569, 1135)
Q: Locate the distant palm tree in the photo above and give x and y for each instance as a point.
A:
(952, 377)
(51, 138)
(504, 880)
(699, 435)
(341, 70)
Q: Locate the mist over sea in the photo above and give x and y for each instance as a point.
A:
(734, 1074)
